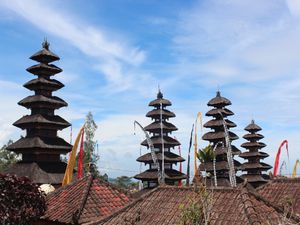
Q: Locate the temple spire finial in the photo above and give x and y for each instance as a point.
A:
(159, 94)
(46, 44)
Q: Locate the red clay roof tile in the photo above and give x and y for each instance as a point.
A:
(83, 201)
(162, 206)
(281, 191)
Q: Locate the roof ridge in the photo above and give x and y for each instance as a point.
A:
(62, 188)
(107, 183)
(78, 212)
(105, 219)
(249, 209)
(273, 205)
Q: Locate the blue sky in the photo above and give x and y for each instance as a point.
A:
(115, 54)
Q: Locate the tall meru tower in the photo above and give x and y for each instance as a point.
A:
(254, 168)
(160, 116)
(216, 138)
(41, 147)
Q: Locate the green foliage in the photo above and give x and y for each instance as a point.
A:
(125, 182)
(90, 158)
(89, 144)
(206, 154)
(198, 209)
(7, 157)
(21, 202)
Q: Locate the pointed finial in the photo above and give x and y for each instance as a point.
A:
(46, 44)
(252, 121)
(159, 94)
(218, 93)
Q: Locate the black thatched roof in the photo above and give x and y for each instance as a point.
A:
(216, 112)
(247, 155)
(44, 69)
(168, 157)
(252, 127)
(219, 123)
(42, 83)
(255, 166)
(170, 174)
(39, 172)
(253, 137)
(219, 101)
(156, 127)
(159, 101)
(160, 115)
(42, 101)
(157, 142)
(155, 113)
(41, 145)
(220, 166)
(45, 55)
(51, 145)
(253, 178)
(42, 121)
(220, 150)
(253, 145)
(218, 136)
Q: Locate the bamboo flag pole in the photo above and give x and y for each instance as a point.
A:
(295, 168)
(199, 117)
(71, 163)
(162, 145)
(189, 158)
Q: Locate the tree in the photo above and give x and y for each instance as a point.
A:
(89, 155)
(7, 157)
(206, 154)
(21, 202)
(125, 182)
(198, 209)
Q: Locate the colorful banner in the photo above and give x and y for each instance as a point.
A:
(71, 163)
(199, 116)
(295, 169)
(189, 158)
(80, 158)
(285, 142)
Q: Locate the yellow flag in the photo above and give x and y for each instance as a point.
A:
(71, 163)
(295, 169)
(199, 117)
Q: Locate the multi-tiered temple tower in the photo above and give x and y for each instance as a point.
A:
(160, 116)
(41, 147)
(254, 167)
(217, 137)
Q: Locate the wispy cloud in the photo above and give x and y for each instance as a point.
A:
(112, 56)
(249, 49)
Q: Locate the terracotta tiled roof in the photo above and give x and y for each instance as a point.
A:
(281, 191)
(163, 205)
(83, 201)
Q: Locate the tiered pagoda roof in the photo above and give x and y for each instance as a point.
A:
(150, 176)
(41, 147)
(254, 167)
(217, 137)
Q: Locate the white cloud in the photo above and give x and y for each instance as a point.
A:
(294, 7)
(10, 94)
(92, 41)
